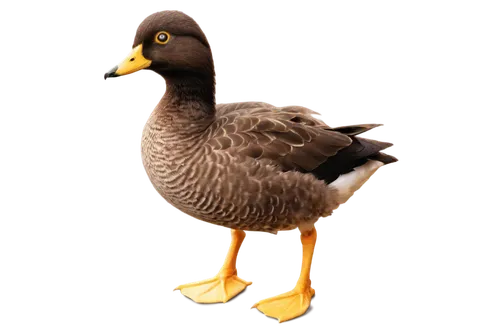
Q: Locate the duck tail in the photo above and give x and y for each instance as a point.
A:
(384, 158)
(373, 150)
(367, 147)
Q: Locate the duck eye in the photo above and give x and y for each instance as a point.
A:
(162, 37)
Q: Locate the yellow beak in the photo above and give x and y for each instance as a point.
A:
(134, 62)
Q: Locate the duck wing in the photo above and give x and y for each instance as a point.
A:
(291, 138)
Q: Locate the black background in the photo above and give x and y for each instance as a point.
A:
(364, 64)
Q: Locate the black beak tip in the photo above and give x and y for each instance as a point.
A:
(111, 73)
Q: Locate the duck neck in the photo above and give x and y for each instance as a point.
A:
(189, 98)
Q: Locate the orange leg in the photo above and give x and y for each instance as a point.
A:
(295, 302)
(226, 284)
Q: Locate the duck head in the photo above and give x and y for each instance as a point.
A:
(171, 44)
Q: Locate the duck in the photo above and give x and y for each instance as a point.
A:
(247, 166)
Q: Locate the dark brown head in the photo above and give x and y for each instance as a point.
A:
(170, 43)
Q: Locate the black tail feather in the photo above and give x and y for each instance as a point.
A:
(384, 158)
(358, 153)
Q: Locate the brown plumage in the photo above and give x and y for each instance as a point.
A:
(247, 166)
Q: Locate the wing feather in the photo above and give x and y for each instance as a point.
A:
(289, 137)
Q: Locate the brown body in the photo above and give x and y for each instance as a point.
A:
(243, 168)
(207, 170)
